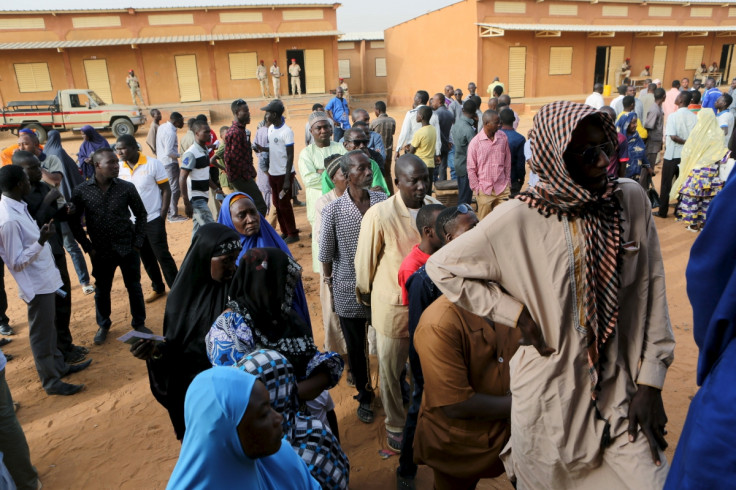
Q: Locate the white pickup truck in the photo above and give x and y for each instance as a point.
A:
(69, 111)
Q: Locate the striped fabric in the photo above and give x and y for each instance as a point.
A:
(557, 193)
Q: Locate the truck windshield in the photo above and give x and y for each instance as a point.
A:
(96, 98)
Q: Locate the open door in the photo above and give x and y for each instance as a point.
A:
(600, 72)
(186, 73)
(298, 55)
(727, 72)
(314, 70)
(97, 79)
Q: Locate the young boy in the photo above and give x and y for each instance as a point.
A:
(424, 141)
(195, 181)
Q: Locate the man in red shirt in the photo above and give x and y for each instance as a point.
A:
(430, 243)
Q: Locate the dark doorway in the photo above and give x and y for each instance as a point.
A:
(725, 65)
(298, 55)
(601, 64)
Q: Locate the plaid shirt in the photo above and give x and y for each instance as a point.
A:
(238, 154)
(489, 163)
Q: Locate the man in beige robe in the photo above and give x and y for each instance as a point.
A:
(586, 394)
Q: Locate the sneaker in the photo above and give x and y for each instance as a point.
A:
(154, 295)
(176, 219)
(101, 335)
(291, 239)
(394, 439)
(692, 228)
(88, 288)
(6, 330)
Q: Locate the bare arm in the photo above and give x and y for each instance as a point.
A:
(165, 198)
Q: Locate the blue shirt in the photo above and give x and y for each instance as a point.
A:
(516, 147)
(339, 109)
(710, 98)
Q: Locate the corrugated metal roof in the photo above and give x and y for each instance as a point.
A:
(84, 6)
(163, 40)
(362, 36)
(605, 28)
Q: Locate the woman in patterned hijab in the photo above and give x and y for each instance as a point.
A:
(573, 184)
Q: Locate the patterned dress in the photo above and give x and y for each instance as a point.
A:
(698, 190)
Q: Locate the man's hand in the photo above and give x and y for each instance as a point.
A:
(646, 410)
(531, 334)
(47, 231)
(143, 349)
(188, 209)
(437, 160)
(52, 195)
(287, 183)
(70, 208)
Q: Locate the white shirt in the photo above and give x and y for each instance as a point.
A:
(278, 139)
(146, 175)
(31, 264)
(680, 123)
(725, 120)
(167, 144)
(411, 126)
(197, 161)
(617, 104)
(595, 100)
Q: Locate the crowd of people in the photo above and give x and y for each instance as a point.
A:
(520, 329)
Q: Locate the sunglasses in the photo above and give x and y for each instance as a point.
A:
(589, 156)
(360, 142)
(461, 209)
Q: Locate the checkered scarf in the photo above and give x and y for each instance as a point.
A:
(600, 216)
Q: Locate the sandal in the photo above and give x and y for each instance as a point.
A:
(365, 413)
(88, 289)
(394, 440)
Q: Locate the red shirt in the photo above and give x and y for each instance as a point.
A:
(409, 266)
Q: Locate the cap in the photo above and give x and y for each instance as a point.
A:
(275, 61)
(261, 61)
(316, 117)
(647, 67)
(130, 71)
(274, 106)
(293, 59)
(342, 79)
(332, 167)
(656, 81)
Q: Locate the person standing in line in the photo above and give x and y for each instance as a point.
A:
(339, 240)
(679, 125)
(135, 88)
(276, 78)
(308, 138)
(446, 119)
(262, 76)
(385, 126)
(153, 130)
(670, 104)
(595, 100)
(344, 86)
(188, 139)
(387, 234)
(375, 143)
(412, 124)
(463, 133)
(516, 144)
(489, 165)
(472, 95)
(195, 180)
(338, 110)
(5, 328)
(423, 143)
(114, 241)
(24, 248)
(152, 183)
(654, 124)
(167, 152)
(711, 95)
(280, 168)
(492, 87)
(453, 105)
(296, 82)
(724, 116)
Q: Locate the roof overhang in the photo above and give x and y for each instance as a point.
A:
(135, 42)
(556, 30)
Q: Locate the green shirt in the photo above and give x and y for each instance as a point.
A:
(378, 180)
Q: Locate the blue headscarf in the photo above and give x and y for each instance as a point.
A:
(211, 453)
(267, 237)
(94, 142)
(637, 148)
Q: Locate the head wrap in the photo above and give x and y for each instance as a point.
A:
(94, 142)
(316, 117)
(635, 145)
(72, 176)
(600, 215)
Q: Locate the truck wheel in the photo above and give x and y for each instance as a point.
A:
(121, 127)
(39, 130)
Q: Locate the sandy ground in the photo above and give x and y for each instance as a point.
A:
(115, 435)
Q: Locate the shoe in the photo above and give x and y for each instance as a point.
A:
(176, 219)
(299, 204)
(74, 356)
(365, 413)
(6, 330)
(404, 483)
(79, 348)
(101, 335)
(16, 406)
(9, 357)
(78, 367)
(691, 228)
(5, 342)
(350, 380)
(88, 289)
(291, 239)
(657, 215)
(65, 389)
(143, 329)
(394, 439)
(283, 236)
(154, 296)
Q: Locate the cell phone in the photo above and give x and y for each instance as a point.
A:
(220, 197)
(282, 194)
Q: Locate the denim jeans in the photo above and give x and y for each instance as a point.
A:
(451, 162)
(71, 246)
(464, 194)
(338, 133)
(202, 214)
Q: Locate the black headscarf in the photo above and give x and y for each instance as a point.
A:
(194, 302)
(263, 289)
(72, 175)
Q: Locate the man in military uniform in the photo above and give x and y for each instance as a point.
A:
(276, 77)
(262, 76)
(296, 83)
(135, 87)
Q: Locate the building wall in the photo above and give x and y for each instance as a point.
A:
(154, 64)
(431, 51)
(362, 57)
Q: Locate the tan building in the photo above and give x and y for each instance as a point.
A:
(544, 48)
(361, 61)
(182, 54)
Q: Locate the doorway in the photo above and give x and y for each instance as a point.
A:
(298, 55)
(726, 59)
(186, 73)
(97, 78)
(600, 72)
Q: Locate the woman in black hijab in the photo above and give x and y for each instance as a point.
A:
(197, 297)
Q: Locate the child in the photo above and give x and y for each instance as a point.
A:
(424, 141)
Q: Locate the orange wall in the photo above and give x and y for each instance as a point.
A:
(364, 69)
(8, 84)
(431, 51)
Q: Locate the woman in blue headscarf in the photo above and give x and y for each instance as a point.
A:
(239, 213)
(72, 176)
(233, 438)
(626, 125)
(93, 141)
(705, 456)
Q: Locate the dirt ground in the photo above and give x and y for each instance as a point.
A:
(115, 435)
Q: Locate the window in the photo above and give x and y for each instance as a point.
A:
(96, 21)
(170, 19)
(33, 77)
(615, 11)
(380, 67)
(560, 61)
(377, 44)
(343, 68)
(701, 12)
(346, 45)
(243, 65)
(563, 9)
(694, 57)
(27, 23)
(509, 7)
(233, 17)
(657, 11)
(303, 14)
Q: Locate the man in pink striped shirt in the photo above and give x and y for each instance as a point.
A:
(489, 165)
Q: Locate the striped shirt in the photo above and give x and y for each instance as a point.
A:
(198, 163)
(489, 163)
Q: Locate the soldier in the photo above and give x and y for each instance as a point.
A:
(276, 77)
(135, 87)
(296, 83)
(262, 76)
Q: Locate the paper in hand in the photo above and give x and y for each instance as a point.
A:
(134, 336)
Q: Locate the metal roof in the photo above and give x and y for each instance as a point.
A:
(362, 36)
(124, 5)
(163, 40)
(604, 27)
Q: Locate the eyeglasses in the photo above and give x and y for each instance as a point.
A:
(461, 209)
(360, 142)
(590, 155)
